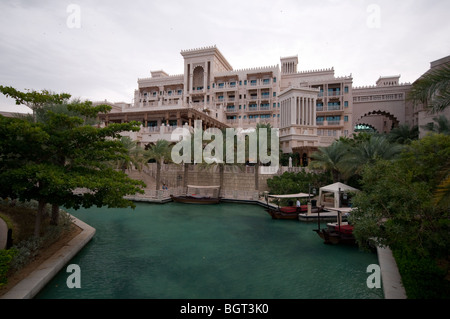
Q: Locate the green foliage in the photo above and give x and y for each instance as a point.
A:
(49, 158)
(433, 89)
(284, 159)
(397, 208)
(32, 98)
(6, 256)
(330, 159)
(432, 283)
(440, 125)
(291, 183)
(403, 134)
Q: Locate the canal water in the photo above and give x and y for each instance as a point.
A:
(225, 251)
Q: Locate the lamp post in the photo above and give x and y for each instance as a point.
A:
(309, 192)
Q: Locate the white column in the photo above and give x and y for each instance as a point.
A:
(308, 110)
(303, 111)
(314, 113)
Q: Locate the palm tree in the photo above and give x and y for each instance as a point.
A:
(330, 159)
(135, 155)
(433, 89)
(441, 124)
(259, 126)
(159, 152)
(366, 152)
(404, 134)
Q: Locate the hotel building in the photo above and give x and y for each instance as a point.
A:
(311, 108)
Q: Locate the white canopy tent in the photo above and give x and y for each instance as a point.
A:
(335, 188)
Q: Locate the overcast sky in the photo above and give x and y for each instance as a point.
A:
(97, 50)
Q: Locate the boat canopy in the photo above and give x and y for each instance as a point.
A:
(343, 210)
(291, 195)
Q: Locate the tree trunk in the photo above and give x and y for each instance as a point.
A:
(158, 174)
(55, 215)
(186, 176)
(221, 174)
(257, 176)
(39, 215)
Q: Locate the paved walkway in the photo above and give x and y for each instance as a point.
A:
(392, 281)
(31, 285)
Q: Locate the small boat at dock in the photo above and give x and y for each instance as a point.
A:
(289, 212)
(194, 198)
(339, 232)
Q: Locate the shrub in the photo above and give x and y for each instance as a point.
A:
(6, 256)
(421, 276)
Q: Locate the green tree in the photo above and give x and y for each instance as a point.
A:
(135, 157)
(440, 124)
(433, 89)
(159, 151)
(403, 134)
(396, 206)
(267, 127)
(330, 159)
(367, 152)
(292, 183)
(48, 161)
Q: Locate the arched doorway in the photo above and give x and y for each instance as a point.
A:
(380, 121)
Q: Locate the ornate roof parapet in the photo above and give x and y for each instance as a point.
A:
(363, 87)
(316, 71)
(199, 49)
(272, 68)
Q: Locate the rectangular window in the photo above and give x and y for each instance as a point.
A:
(274, 94)
(346, 103)
(253, 82)
(345, 118)
(274, 80)
(346, 89)
(245, 82)
(266, 81)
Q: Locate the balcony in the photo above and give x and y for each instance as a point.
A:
(330, 123)
(329, 108)
(231, 109)
(334, 93)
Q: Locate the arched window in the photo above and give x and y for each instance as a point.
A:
(198, 77)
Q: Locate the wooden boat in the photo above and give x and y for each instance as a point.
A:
(286, 212)
(192, 198)
(339, 232)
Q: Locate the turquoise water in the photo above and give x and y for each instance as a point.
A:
(225, 251)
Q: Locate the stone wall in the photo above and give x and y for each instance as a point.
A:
(235, 178)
